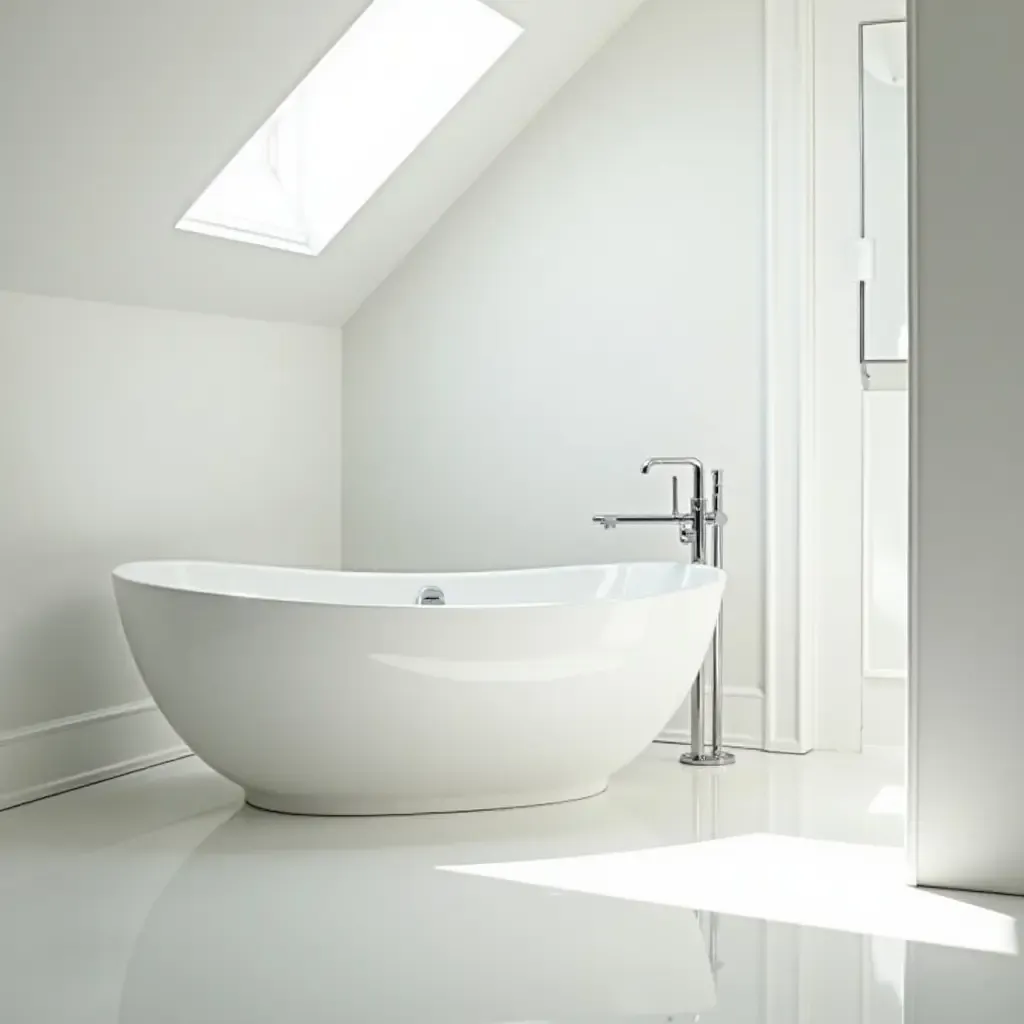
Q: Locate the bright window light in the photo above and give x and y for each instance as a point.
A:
(351, 123)
(793, 880)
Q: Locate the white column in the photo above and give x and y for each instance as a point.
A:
(967, 446)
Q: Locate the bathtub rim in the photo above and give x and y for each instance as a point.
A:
(695, 577)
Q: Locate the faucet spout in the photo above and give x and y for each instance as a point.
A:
(695, 464)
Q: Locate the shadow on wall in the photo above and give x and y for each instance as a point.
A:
(73, 708)
(62, 652)
(62, 649)
(70, 695)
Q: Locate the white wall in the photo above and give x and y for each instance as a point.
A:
(967, 422)
(133, 434)
(595, 299)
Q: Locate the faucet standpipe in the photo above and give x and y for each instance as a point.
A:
(696, 528)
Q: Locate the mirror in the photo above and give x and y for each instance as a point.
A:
(885, 193)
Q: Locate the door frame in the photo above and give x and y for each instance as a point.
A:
(813, 399)
(791, 485)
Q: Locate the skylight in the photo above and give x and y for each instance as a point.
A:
(351, 123)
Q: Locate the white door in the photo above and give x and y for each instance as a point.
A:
(861, 312)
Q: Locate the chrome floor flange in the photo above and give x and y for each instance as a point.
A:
(708, 760)
(702, 527)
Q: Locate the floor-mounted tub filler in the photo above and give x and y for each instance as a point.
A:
(368, 693)
(701, 529)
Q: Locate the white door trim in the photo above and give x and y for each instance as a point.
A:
(791, 477)
(837, 475)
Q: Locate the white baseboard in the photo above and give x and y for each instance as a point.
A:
(67, 753)
(742, 720)
(786, 746)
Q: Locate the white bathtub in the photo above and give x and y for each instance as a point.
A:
(335, 693)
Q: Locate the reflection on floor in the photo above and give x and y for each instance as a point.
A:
(769, 892)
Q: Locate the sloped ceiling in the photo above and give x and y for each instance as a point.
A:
(115, 114)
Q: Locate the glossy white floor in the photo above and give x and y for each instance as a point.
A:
(769, 892)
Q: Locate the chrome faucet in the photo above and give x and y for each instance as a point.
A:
(695, 528)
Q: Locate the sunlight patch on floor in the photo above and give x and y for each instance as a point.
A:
(840, 886)
(889, 800)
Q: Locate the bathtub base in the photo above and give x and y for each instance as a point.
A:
(365, 807)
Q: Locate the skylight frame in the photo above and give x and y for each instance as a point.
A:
(416, 60)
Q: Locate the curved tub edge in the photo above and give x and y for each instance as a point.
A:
(372, 807)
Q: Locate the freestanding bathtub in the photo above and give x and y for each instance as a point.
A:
(336, 693)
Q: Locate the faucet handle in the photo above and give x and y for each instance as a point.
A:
(716, 487)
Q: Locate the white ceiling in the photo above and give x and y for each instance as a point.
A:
(116, 114)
